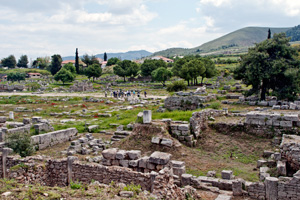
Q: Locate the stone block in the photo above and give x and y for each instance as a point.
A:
(115, 162)
(147, 116)
(291, 117)
(110, 153)
(166, 142)
(271, 184)
(124, 163)
(261, 163)
(227, 174)
(284, 107)
(121, 155)
(151, 166)
(126, 194)
(159, 158)
(262, 103)
(106, 162)
(25, 121)
(176, 163)
(267, 154)
(293, 106)
(186, 179)
(211, 174)
(143, 162)
(286, 124)
(133, 163)
(92, 128)
(2, 119)
(276, 107)
(155, 140)
(134, 154)
(184, 127)
(237, 187)
(281, 168)
(179, 171)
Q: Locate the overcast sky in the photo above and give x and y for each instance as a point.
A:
(46, 27)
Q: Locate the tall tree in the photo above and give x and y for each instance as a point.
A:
(271, 64)
(269, 34)
(105, 56)
(93, 71)
(77, 61)
(210, 69)
(9, 62)
(23, 61)
(55, 64)
(64, 75)
(162, 75)
(126, 68)
(15, 76)
(150, 65)
(89, 60)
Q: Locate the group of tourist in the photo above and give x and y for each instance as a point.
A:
(122, 94)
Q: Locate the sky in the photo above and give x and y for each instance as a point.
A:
(39, 28)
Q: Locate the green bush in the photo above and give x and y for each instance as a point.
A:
(177, 86)
(33, 86)
(215, 105)
(136, 189)
(75, 185)
(20, 143)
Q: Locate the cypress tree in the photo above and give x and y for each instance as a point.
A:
(269, 34)
(105, 56)
(77, 61)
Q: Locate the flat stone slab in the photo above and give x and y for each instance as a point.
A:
(110, 154)
(160, 158)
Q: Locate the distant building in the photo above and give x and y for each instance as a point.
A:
(103, 64)
(73, 62)
(167, 60)
(3, 77)
(34, 75)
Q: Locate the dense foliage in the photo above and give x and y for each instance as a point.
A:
(177, 86)
(161, 74)
(271, 65)
(20, 143)
(23, 61)
(126, 68)
(15, 76)
(93, 71)
(55, 66)
(150, 65)
(9, 62)
(64, 75)
(294, 33)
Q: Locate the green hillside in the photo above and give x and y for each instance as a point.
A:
(233, 43)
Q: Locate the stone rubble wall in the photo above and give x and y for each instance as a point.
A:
(10, 88)
(186, 102)
(56, 137)
(86, 172)
(288, 188)
(199, 119)
(51, 172)
(257, 130)
(290, 150)
(82, 87)
(256, 190)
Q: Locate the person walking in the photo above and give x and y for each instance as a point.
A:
(145, 93)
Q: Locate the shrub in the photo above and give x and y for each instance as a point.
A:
(136, 189)
(177, 86)
(75, 185)
(33, 86)
(20, 143)
(215, 105)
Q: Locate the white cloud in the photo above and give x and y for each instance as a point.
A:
(216, 3)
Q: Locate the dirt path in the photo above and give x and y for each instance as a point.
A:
(75, 94)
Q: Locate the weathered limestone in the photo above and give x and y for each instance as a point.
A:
(11, 115)
(290, 150)
(271, 188)
(227, 174)
(160, 158)
(52, 138)
(147, 116)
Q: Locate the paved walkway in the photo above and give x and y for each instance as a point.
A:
(74, 94)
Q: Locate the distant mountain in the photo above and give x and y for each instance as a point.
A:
(235, 42)
(294, 33)
(130, 55)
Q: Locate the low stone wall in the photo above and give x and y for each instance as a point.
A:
(288, 188)
(257, 130)
(49, 139)
(198, 120)
(43, 127)
(10, 88)
(256, 190)
(186, 102)
(82, 86)
(272, 119)
(86, 172)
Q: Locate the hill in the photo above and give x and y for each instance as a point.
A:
(294, 33)
(235, 42)
(130, 55)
